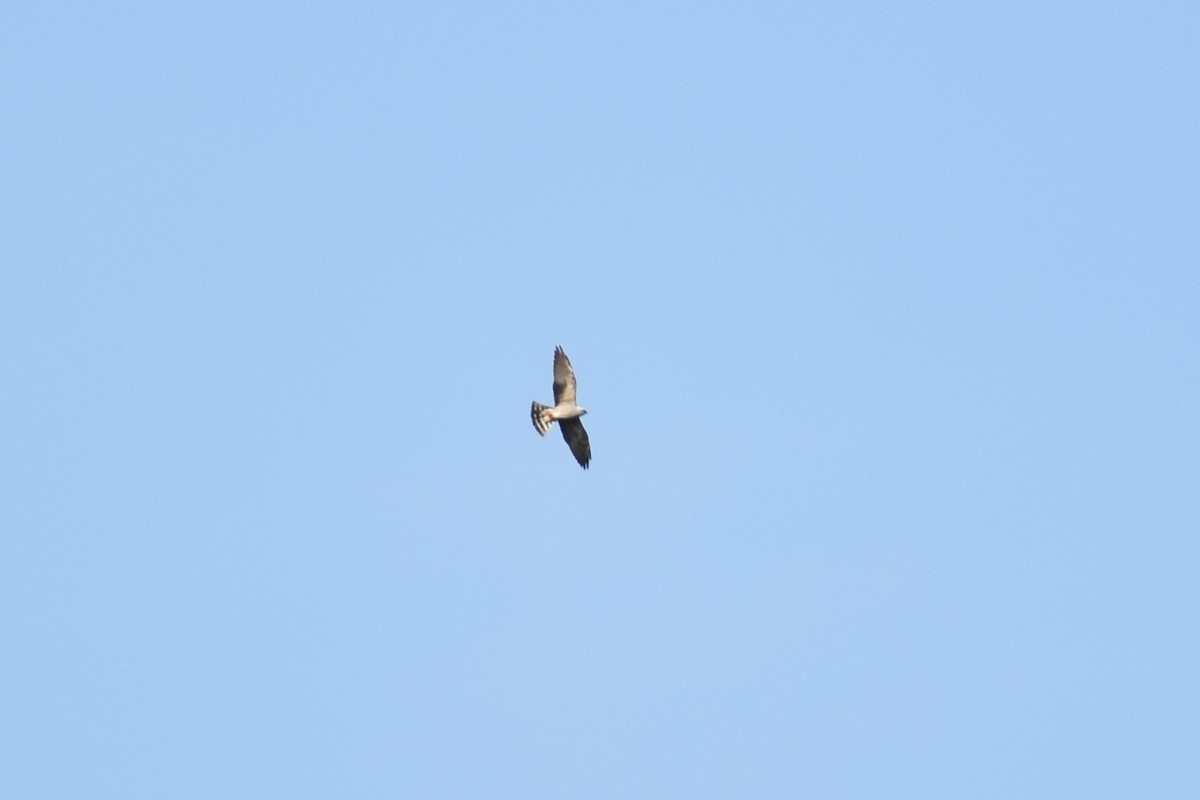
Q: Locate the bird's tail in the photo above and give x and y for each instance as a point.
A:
(541, 418)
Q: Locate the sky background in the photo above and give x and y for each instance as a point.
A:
(886, 316)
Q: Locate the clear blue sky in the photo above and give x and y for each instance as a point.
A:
(886, 315)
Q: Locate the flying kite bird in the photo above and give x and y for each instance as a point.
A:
(565, 412)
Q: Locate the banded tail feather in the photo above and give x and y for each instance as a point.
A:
(542, 420)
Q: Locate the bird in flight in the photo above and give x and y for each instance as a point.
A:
(565, 411)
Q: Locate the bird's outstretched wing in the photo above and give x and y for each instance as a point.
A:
(564, 380)
(577, 439)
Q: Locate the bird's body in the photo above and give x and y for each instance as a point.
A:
(545, 416)
(565, 411)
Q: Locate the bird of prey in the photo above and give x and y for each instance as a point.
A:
(565, 411)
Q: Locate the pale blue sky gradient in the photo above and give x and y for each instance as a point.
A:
(886, 315)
